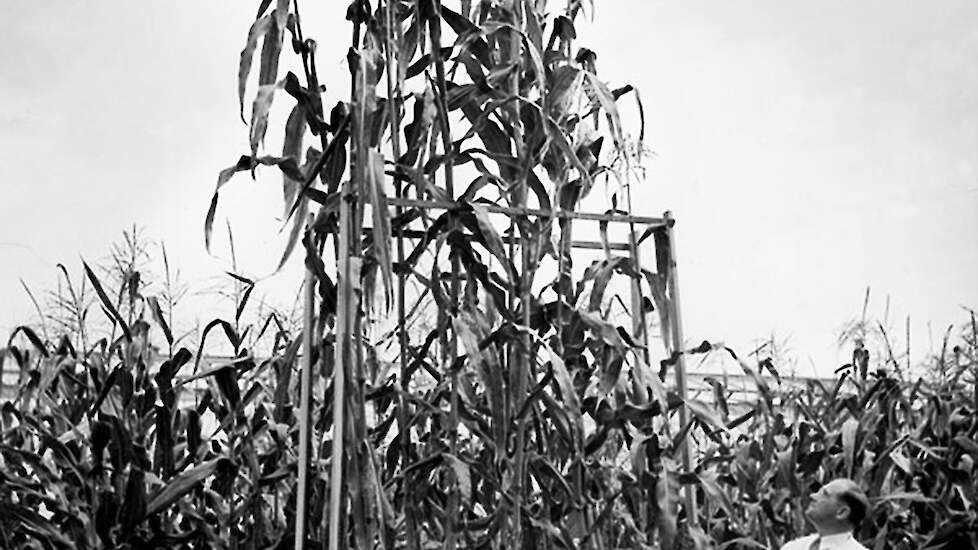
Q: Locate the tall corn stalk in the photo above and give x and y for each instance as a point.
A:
(494, 390)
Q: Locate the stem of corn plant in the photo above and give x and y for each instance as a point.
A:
(332, 511)
(170, 302)
(359, 505)
(434, 26)
(403, 430)
(343, 319)
(237, 284)
(523, 366)
(974, 360)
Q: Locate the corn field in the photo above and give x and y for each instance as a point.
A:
(458, 381)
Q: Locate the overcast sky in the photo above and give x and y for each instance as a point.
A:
(807, 149)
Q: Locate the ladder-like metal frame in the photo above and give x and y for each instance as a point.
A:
(664, 227)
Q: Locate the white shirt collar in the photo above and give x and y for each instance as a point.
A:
(833, 541)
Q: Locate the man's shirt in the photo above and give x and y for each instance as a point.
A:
(841, 541)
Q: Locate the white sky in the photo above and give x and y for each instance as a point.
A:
(807, 149)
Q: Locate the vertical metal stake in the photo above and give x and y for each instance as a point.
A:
(305, 383)
(677, 346)
(640, 328)
(344, 326)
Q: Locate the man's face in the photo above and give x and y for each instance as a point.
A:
(825, 506)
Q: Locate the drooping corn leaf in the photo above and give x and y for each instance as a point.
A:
(493, 242)
(31, 336)
(295, 128)
(106, 303)
(271, 48)
(180, 485)
(259, 113)
(257, 30)
(157, 313)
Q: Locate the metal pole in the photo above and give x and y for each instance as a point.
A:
(305, 383)
(640, 327)
(524, 211)
(343, 329)
(403, 431)
(677, 347)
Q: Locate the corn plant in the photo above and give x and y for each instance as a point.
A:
(522, 416)
(473, 387)
(487, 430)
(909, 440)
(106, 444)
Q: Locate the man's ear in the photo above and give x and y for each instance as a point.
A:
(842, 513)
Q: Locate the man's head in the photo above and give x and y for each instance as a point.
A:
(839, 506)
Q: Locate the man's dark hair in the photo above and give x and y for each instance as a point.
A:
(858, 505)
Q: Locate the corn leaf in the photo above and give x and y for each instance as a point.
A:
(295, 128)
(259, 113)
(31, 336)
(271, 48)
(180, 485)
(604, 330)
(491, 238)
(157, 313)
(381, 222)
(106, 303)
(244, 163)
(463, 477)
(257, 30)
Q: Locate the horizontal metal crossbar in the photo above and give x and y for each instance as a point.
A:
(590, 245)
(512, 211)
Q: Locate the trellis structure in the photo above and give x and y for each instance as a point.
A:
(348, 339)
(349, 342)
(503, 416)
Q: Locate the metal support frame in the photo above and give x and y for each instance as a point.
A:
(341, 351)
(675, 317)
(514, 211)
(584, 245)
(305, 407)
(348, 328)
